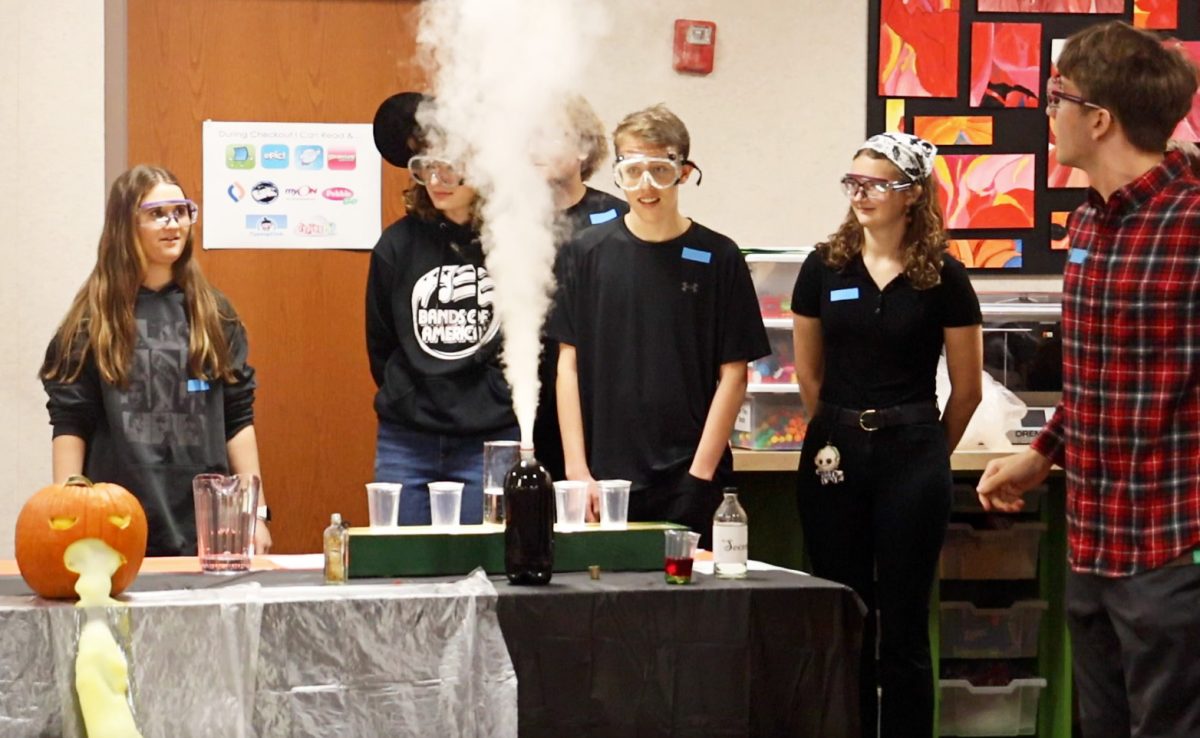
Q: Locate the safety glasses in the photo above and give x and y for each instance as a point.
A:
(424, 169)
(160, 213)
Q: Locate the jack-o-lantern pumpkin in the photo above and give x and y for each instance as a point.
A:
(58, 515)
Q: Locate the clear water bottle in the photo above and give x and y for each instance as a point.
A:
(528, 522)
(337, 551)
(731, 538)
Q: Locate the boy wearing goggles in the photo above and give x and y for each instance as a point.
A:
(656, 317)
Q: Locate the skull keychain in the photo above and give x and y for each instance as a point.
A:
(827, 462)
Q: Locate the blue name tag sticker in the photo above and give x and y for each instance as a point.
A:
(1077, 256)
(604, 217)
(703, 257)
(197, 385)
(850, 293)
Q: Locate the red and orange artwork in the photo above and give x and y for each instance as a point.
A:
(1052, 6)
(1188, 128)
(918, 48)
(987, 253)
(1060, 240)
(1005, 66)
(954, 130)
(985, 190)
(1059, 175)
(1156, 14)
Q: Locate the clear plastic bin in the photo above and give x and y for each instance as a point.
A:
(780, 366)
(770, 420)
(968, 710)
(1010, 553)
(774, 276)
(968, 632)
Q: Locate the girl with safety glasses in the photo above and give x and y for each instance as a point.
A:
(432, 336)
(875, 305)
(147, 377)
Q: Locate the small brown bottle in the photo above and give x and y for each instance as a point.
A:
(337, 551)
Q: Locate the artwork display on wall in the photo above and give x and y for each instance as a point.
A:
(970, 76)
(954, 130)
(918, 49)
(985, 190)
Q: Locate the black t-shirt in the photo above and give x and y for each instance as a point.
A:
(594, 208)
(432, 336)
(881, 347)
(652, 323)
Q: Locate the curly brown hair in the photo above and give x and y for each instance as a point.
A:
(418, 204)
(924, 237)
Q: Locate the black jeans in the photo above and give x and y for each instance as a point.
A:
(1135, 645)
(880, 531)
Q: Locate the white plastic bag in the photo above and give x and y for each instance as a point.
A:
(999, 411)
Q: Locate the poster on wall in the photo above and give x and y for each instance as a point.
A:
(290, 186)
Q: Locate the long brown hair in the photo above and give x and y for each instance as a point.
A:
(924, 242)
(101, 319)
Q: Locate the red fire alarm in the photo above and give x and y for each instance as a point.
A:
(694, 44)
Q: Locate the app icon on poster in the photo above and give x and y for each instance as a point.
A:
(310, 157)
(239, 156)
(236, 192)
(264, 192)
(266, 225)
(275, 156)
(342, 157)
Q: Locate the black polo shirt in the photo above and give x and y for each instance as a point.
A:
(881, 347)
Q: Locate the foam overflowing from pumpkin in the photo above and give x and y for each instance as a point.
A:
(101, 671)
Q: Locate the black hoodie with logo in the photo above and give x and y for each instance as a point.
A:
(433, 339)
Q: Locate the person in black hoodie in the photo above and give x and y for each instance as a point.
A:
(432, 336)
(147, 377)
(582, 148)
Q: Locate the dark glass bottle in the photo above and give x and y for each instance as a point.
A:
(528, 522)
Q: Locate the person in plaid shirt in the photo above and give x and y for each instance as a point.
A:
(1127, 431)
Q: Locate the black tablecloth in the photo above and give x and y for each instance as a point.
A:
(775, 654)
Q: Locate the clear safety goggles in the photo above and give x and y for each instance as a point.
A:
(424, 168)
(873, 188)
(161, 212)
(629, 173)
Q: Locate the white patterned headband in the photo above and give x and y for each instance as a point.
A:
(910, 154)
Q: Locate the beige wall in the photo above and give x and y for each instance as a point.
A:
(772, 128)
(51, 206)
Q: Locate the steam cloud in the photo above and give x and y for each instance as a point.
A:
(502, 70)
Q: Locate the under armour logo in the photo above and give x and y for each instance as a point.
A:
(693, 287)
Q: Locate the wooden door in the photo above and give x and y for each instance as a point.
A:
(282, 61)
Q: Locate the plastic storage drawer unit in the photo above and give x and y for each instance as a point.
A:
(967, 710)
(774, 276)
(968, 632)
(1010, 553)
(770, 420)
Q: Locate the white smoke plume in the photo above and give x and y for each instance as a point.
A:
(502, 71)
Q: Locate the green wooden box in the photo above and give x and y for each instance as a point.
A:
(416, 551)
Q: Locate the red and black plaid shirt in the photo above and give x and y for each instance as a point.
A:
(1127, 431)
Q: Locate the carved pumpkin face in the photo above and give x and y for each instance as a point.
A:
(58, 515)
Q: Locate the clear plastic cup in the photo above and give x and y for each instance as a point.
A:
(498, 458)
(383, 504)
(445, 502)
(570, 503)
(680, 552)
(614, 503)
